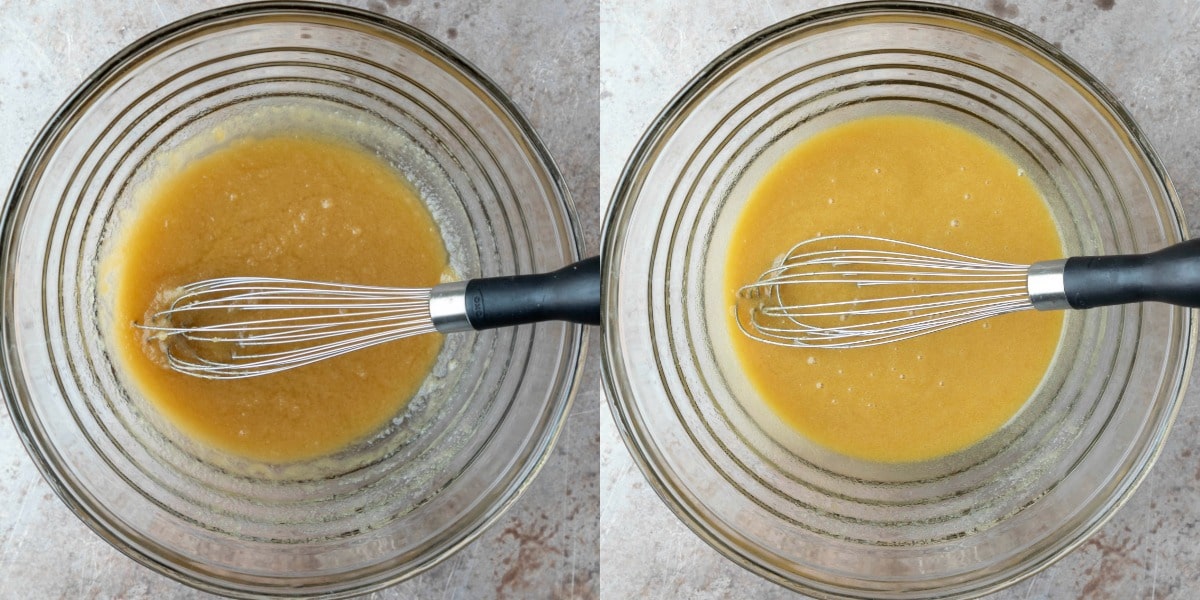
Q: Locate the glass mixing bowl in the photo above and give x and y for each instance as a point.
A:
(386, 508)
(968, 523)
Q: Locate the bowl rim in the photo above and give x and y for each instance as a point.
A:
(621, 401)
(97, 518)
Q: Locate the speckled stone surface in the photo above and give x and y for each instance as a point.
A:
(545, 55)
(591, 75)
(1148, 54)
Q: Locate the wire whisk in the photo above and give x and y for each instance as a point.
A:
(851, 291)
(235, 327)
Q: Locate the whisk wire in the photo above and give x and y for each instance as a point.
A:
(288, 323)
(820, 295)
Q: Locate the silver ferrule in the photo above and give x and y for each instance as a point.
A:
(448, 307)
(1045, 285)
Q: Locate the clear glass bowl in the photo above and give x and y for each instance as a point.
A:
(386, 508)
(963, 525)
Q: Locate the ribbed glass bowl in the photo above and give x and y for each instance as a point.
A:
(963, 525)
(386, 508)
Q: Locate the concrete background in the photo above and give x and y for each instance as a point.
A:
(1147, 53)
(591, 75)
(544, 53)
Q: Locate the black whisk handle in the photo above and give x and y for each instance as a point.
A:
(568, 294)
(1170, 275)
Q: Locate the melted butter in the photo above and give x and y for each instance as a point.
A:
(926, 182)
(280, 206)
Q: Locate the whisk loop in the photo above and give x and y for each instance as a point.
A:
(236, 327)
(874, 291)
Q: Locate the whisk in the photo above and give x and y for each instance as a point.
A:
(849, 291)
(236, 327)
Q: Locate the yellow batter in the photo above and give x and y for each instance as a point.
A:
(283, 206)
(926, 182)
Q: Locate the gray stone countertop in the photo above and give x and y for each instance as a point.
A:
(591, 76)
(545, 55)
(1148, 54)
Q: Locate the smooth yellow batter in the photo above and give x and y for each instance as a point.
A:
(295, 207)
(926, 182)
